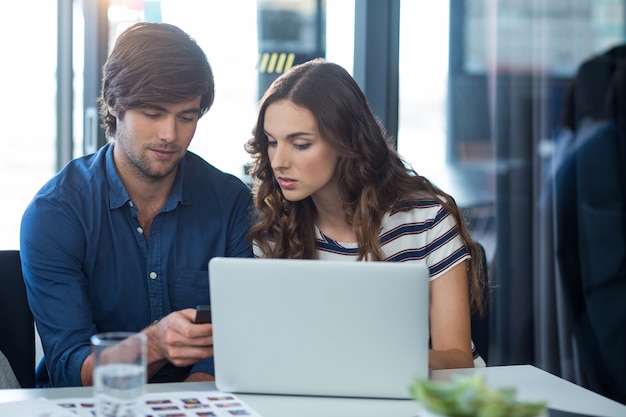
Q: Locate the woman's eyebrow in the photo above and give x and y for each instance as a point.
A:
(291, 135)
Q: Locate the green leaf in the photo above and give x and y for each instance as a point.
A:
(470, 397)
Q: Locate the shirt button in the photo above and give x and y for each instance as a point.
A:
(130, 203)
(139, 230)
(153, 275)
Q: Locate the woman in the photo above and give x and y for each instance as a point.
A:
(328, 185)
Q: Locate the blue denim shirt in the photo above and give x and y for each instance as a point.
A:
(88, 267)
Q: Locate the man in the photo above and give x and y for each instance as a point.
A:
(120, 240)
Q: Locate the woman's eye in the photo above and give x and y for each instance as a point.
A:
(271, 143)
(301, 146)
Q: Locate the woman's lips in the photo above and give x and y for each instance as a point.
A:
(286, 183)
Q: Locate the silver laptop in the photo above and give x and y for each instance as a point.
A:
(313, 327)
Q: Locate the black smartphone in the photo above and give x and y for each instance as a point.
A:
(203, 314)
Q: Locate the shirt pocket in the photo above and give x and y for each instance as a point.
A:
(191, 288)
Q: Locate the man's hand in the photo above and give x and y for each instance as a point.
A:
(176, 339)
(200, 376)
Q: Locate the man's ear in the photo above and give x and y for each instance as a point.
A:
(112, 111)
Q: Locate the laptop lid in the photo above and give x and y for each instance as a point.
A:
(313, 327)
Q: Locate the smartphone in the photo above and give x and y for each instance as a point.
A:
(203, 314)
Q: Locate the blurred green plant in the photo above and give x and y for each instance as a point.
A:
(470, 397)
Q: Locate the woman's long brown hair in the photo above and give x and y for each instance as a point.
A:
(372, 178)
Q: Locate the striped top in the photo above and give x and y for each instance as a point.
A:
(425, 233)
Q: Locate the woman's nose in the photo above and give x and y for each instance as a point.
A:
(278, 157)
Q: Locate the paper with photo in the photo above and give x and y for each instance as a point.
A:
(175, 404)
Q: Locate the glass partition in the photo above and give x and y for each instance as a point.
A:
(27, 82)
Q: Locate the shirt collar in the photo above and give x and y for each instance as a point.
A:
(118, 196)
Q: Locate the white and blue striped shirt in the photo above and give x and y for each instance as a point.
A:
(425, 233)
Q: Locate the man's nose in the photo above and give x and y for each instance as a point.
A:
(167, 129)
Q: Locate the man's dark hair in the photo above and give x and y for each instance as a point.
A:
(153, 63)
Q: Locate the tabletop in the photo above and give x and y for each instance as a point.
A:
(531, 383)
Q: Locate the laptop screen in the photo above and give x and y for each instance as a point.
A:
(313, 327)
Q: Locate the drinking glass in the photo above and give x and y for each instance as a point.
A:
(119, 376)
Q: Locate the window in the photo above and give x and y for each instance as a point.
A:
(27, 83)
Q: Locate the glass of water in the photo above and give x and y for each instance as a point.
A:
(119, 375)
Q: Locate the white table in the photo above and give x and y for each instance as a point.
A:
(532, 384)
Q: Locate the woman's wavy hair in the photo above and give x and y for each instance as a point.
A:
(372, 178)
(153, 63)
